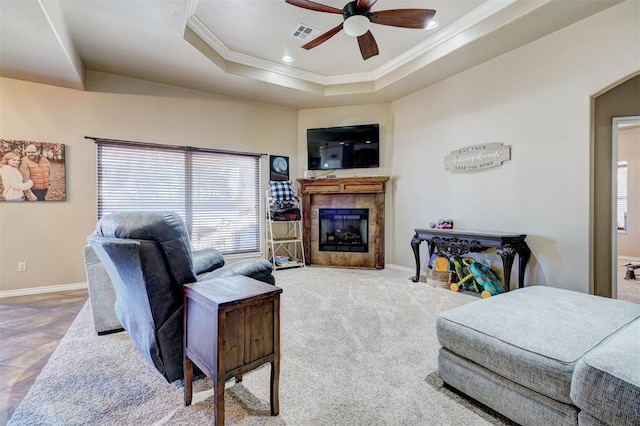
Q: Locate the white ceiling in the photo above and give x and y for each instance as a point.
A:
(234, 47)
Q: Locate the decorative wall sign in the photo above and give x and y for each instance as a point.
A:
(477, 157)
(32, 171)
(279, 167)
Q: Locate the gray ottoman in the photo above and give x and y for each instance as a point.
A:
(516, 352)
(606, 381)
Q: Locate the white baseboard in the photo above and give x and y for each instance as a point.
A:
(631, 258)
(42, 290)
(399, 267)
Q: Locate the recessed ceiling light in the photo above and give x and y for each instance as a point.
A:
(287, 59)
(432, 24)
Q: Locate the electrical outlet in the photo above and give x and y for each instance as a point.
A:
(22, 266)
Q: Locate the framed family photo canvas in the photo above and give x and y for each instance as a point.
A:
(32, 171)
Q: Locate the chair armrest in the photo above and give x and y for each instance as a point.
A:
(205, 260)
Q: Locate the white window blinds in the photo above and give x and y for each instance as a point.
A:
(622, 196)
(217, 193)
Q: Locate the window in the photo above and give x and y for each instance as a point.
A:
(622, 196)
(217, 193)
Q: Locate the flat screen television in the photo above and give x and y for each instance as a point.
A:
(345, 147)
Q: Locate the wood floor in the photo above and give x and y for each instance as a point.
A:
(30, 329)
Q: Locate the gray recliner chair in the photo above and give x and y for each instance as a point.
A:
(101, 295)
(148, 258)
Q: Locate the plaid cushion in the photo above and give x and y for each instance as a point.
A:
(281, 190)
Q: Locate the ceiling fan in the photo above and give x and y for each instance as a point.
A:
(357, 18)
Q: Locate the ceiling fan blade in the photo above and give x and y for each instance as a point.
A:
(405, 18)
(322, 38)
(368, 45)
(366, 4)
(311, 5)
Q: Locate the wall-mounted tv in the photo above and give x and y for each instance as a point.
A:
(345, 147)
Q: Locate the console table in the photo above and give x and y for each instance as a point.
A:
(457, 242)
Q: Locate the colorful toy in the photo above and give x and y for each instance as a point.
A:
(438, 263)
(441, 264)
(461, 266)
(471, 274)
(487, 279)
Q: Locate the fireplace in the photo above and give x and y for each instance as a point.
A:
(354, 242)
(345, 230)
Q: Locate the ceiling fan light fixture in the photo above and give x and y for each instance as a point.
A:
(432, 24)
(356, 25)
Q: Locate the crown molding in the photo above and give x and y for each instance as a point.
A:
(488, 17)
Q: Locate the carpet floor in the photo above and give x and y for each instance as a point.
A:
(358, 347)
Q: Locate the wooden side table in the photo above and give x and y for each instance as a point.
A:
(231, 326)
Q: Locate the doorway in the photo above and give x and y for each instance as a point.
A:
(622, 99)
(625, 208)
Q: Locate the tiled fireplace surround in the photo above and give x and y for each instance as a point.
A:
(344, 193)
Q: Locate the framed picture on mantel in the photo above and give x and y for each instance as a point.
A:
(279, 167)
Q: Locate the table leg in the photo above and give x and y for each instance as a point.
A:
(218, 400)
(415, 245)
(507, 253)
(274, 397)
(275, 364)
(524, 254)
(188, 381)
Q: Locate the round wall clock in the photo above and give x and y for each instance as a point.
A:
(280, 165)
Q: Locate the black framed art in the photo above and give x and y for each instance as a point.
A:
(279, 167)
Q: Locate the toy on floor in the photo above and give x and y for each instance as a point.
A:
(438, 262)
(438, 273)
(441, 264)
(487, 279)
(461, 266)
(475, 276)
(432, 259)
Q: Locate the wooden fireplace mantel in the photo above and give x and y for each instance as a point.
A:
(344, 192)
(348, 185)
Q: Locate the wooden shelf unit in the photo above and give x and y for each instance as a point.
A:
(284, 237)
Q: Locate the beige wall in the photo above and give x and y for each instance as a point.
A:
(49, 236)
(536, 99)
(629, 151)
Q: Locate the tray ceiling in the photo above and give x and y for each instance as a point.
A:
(235, 48)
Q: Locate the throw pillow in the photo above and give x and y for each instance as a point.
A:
(281, 190)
